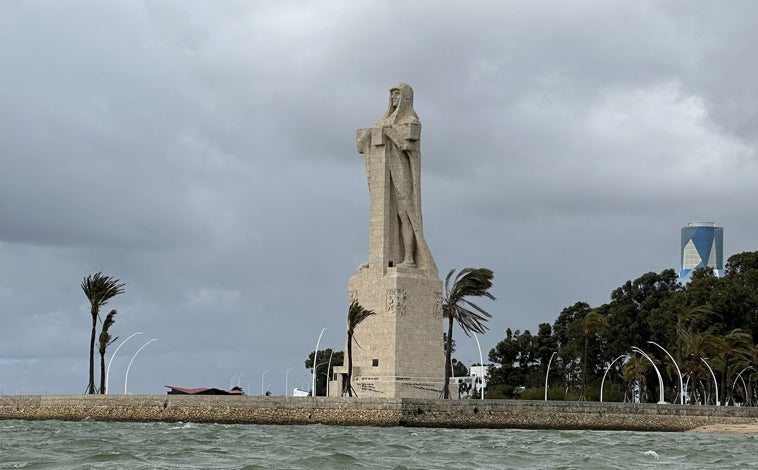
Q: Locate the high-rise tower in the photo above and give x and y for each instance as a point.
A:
(702, 246)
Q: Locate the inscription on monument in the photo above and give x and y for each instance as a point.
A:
(396, 300)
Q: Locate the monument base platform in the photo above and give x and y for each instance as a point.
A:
(399, 352)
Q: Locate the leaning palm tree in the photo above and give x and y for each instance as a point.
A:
(355, 315)
(99, 289)
(470, 282)
(105, 340)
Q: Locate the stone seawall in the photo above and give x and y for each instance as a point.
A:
(375, 412)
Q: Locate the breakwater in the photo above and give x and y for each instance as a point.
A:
(375, 412)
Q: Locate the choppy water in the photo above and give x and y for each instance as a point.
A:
(96, 445)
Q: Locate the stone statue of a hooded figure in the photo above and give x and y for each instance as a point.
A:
(400, 131)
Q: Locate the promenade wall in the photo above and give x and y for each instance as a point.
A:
(375, 412)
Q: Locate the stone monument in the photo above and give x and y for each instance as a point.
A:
(399, 351)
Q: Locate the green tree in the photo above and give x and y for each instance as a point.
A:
(105, 340)
(459, 368)
(98, 289)
(592, 325)
(456, 306)
(324, 373)
(632, 307)
(355, 316)
(568, 330)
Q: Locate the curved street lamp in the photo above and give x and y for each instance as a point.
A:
(602, 381)
(715, 383)
(328, 368)
(315, 354)
(661, 401)
(126, 377)
(481, 364)
(262, 376)
(315, 370)
(739, 376)
(108, 369)
(678, 371)
(548, 373)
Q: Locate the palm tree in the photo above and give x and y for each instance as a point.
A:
(98, 289)
(633, 372)
(733, 346)
(694, 348)
(105, 341)
(470, 282)
(355, 315)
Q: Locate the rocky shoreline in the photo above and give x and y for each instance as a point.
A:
(383, 412)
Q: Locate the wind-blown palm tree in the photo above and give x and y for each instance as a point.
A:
(355, 316)
(695, 348)
(98, 289)
(470, 282)
(730, 348)
(634, 371)
(105, 340)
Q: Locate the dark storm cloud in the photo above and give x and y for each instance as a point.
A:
(204, 153)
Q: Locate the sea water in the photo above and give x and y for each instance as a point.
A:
(101, 445)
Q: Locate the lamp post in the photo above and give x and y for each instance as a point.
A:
(108, 369)
(126, 377)
(262, 376)
(286, 381)
(328, 368)
(315, 354)
(606, 373)
(661, 401)
(315, 370)
(715, 383)
(678, 371)
(739, 376)
(548, 373)
(481, 363)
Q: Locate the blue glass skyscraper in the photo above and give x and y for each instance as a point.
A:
(702, 246)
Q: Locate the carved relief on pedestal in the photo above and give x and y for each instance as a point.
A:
(437, 305)
(396, 299)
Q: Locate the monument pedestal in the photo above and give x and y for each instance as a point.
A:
(399, 351)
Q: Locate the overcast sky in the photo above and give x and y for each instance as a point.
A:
(204, 153)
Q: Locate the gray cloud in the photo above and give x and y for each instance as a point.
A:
(204, 154)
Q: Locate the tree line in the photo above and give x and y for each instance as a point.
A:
(708, 325)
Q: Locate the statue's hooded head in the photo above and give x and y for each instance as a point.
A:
(400, 109)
